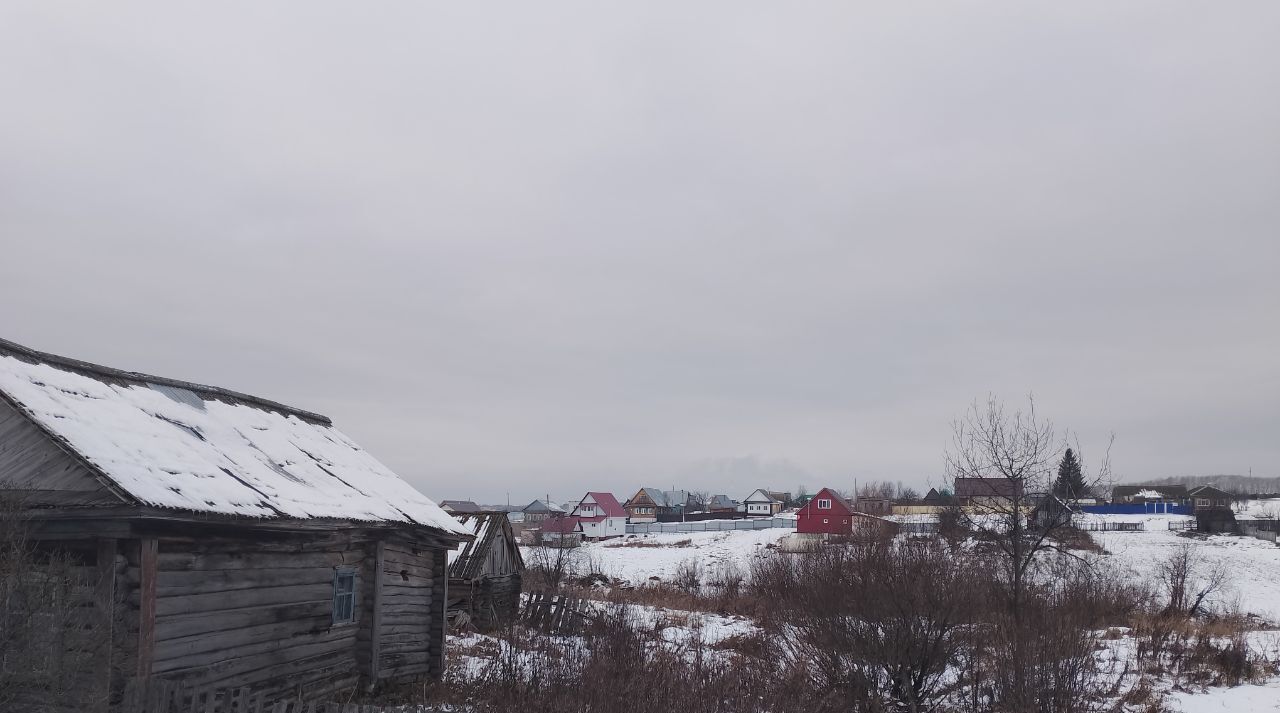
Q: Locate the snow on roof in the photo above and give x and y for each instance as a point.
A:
(467, 560)
(170, 444)
(457, 506)
(1148, 493)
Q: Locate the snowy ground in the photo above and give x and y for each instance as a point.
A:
(713, 551)
(676, 629)
(1241, 699)
(1254, 565)
(1269, 509)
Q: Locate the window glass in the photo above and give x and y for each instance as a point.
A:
(344, 596)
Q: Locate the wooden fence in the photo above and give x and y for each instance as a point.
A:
(1109, 526)
(556, 613)
(161, 696)
(751, 523)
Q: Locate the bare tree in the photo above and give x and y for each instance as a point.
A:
(548, 566)
(698, 501)
(907, 493)
(877, 489)
(1189, 580)
(1003, 462)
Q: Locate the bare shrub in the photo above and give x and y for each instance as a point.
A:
(876, 622)
(640, 542)
(620, 666)
(547, 567)
(688, 576)
(1189, 581)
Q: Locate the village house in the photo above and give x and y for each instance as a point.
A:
(988, 492)
(873, 506)
(1208, 497)
(455, 507)
(485, 573)
(827, 513)
(562, 531)
(652, 504)
(539, 510)
(229, 540)
(722, 505)
(598, 516)
(765, 503)
(1052, 512)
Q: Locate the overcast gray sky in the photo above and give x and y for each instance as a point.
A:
(551, 247)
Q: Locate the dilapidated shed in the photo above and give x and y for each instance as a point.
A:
(485, 574)
(236, 541)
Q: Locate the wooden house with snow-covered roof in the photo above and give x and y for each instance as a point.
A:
(230, 541)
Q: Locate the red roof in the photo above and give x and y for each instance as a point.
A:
(606, 503)
(838, 504)
(561, 525)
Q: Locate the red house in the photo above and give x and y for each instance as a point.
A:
(829, 514)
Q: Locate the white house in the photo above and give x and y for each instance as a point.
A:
(600, 515)
(764, 503)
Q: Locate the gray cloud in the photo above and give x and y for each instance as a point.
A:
(533, 249)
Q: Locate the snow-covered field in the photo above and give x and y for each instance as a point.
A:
(1253, 565)
(1240, 699)
(713, 551)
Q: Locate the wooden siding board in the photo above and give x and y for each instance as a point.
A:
(30, 459)
(272, 630)
(440, 603)
(105, 602)
(376, 604)
(147, 605)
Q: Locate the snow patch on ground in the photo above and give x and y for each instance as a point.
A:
(713, 551)
(1254, 565)
(1239, 699)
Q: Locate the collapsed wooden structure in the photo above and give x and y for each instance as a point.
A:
(485, 574)
(232, 541)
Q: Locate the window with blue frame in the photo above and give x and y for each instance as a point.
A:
(344, 595)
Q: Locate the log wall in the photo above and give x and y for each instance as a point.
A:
(408, 589)
(259, 613)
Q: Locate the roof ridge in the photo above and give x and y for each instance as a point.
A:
(101, 370)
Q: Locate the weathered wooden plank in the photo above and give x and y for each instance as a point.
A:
(180, 625)
(440, 598)
(105, 603)
(219, 601)
(375, 622)
(233, 641)
(216, 561)
(182, 584)
(148, 548)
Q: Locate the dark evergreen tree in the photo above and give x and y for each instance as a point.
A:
(1070, 482)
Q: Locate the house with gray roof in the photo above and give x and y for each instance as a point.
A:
(227, 539)
(648, 504)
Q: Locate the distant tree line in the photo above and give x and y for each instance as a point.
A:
(1242, 484)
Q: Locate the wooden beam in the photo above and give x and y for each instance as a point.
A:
(439, 613)
(105, 600)
(375, 621)
(147, 559)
